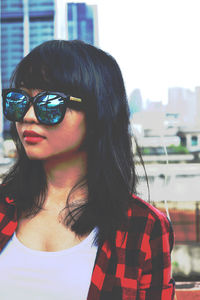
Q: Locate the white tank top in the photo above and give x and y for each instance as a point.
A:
(27, 274)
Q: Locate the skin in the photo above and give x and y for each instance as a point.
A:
(64, 164)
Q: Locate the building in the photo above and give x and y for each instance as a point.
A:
(182, 101)
(82, 22)
(135, 101)
(41, 21)
(190, 138)
(197, 110)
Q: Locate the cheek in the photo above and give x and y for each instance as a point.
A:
(70, 135)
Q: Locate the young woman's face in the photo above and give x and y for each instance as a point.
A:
(42, 141)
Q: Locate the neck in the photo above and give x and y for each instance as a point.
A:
(62, 174)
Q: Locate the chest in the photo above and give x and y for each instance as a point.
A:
(33, 274)
(45, 232)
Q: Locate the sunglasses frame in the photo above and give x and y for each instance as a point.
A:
(69, 101)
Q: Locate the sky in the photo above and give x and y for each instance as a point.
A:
(155, 42)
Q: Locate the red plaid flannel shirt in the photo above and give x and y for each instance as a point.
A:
(140, 268)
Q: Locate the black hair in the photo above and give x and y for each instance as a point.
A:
(84, 71)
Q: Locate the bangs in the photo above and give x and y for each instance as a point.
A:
(53, 70)
(30, 76)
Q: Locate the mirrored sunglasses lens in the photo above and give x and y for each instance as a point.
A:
(15, 106)
(50, 109)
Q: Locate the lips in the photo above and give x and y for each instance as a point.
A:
(31, 133)
(32, 137)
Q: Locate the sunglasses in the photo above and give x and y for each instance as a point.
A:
(49, 107)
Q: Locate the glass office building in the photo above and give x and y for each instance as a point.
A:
(41, 21)
(81, 20)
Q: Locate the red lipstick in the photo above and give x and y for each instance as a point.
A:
(32, 137)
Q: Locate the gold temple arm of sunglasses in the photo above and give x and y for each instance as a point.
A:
(75, 99)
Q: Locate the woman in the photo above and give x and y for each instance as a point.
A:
(71, 225)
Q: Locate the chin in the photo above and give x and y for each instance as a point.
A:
(35, 156)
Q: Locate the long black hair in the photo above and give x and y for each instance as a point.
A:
(84, 71)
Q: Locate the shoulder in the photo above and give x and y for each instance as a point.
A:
(145, 219)
(140, 208)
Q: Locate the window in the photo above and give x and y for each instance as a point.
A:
(194, 140)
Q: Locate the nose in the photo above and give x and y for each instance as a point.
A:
(30, 116)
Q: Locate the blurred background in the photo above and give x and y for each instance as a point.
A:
(157, 47)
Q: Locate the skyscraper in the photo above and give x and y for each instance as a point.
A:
(82, 22)
(135, 101)
(41, 21)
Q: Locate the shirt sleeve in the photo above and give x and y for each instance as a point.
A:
(156, 282)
